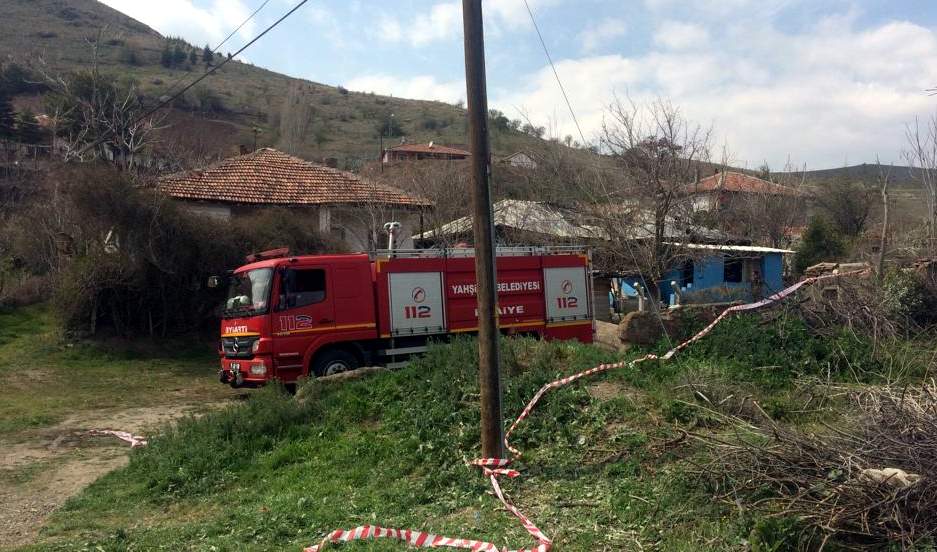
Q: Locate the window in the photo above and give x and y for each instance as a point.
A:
(248, 293)
(733, 271)
(687, 273)
(302, 287)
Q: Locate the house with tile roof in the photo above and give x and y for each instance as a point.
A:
(418, 152)
(717, 191)
(347, 206)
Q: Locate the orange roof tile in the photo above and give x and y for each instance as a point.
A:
(430, 148)
(271, 177)
(729, 181)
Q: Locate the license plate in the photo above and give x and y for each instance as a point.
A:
(235, 366)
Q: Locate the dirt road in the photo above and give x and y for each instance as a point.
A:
(40, 471)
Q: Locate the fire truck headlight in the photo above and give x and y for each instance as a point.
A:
(258, 369)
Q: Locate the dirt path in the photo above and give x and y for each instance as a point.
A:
(37, 475)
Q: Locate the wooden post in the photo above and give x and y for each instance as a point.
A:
(489, 374)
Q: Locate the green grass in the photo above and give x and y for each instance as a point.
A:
(49, 378)
(600, 470)
(275, 473)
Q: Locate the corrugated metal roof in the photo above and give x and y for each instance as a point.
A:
(529, 216)
(430, 148)
(736, 248)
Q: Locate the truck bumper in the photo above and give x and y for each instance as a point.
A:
(245, 373)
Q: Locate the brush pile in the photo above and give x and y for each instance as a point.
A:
(871, 485)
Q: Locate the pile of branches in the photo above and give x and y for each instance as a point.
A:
(873, 484)
(901, 304)
(857, 304)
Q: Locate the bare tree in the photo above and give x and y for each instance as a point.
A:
(883, 176)
(657, 153)
(295, 118)
(922, 154)
(96, 116)
(848, 204)
(444, 183)
(767, 216)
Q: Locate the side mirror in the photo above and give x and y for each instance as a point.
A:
(214, 282)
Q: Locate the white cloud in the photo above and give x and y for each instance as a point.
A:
(817, 95)
(677, 35)
(423, 87)
(597, 34)
(443, 21)
(717, 8)
(183, 18)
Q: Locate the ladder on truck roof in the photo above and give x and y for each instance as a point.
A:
(464, 252)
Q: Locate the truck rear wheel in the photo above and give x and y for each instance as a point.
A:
(334, 362)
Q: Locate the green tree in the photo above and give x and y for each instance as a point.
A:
(207, 55)
(27, 130)
(165, 57)
(178, 56)
(821, 242)
(7, 119)
(193, 56)
(129, 56)
(389, 126)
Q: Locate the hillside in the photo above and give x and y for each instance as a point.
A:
(55, 37)
(899, 176)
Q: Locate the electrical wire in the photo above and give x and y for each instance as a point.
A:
(582, 136)
(169, 100)
(555, 74)
(249, 17)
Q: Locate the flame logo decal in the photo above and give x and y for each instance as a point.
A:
(567, 287)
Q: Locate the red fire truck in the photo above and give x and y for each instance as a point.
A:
(287, 317)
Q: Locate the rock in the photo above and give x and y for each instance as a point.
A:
(642, 328)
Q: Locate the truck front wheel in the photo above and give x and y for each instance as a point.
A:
(333, 362)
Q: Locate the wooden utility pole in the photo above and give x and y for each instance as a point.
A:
(489, 357)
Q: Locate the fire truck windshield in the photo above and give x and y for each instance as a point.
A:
(249, 293)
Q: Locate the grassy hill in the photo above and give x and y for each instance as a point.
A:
(899, 176)
(59, 36)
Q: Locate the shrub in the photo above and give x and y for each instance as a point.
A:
(774, 354)
(906, 298)
(127, 259)
(820, 243)
(388, 125)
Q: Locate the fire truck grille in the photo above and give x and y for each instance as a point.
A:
(238, 347)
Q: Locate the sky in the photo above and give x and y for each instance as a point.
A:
(815, 83)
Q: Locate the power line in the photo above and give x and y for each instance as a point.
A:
(249, 17)
(169, 100)
(214, 50)
(555, 74)
(582, 136)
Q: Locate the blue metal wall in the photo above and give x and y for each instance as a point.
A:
(709, 283)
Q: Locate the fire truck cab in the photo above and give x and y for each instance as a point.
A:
(286, 317)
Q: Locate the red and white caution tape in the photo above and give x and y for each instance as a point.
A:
(134, 440)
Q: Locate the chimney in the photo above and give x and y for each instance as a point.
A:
(331, 162)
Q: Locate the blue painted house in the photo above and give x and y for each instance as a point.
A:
(716, 273)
